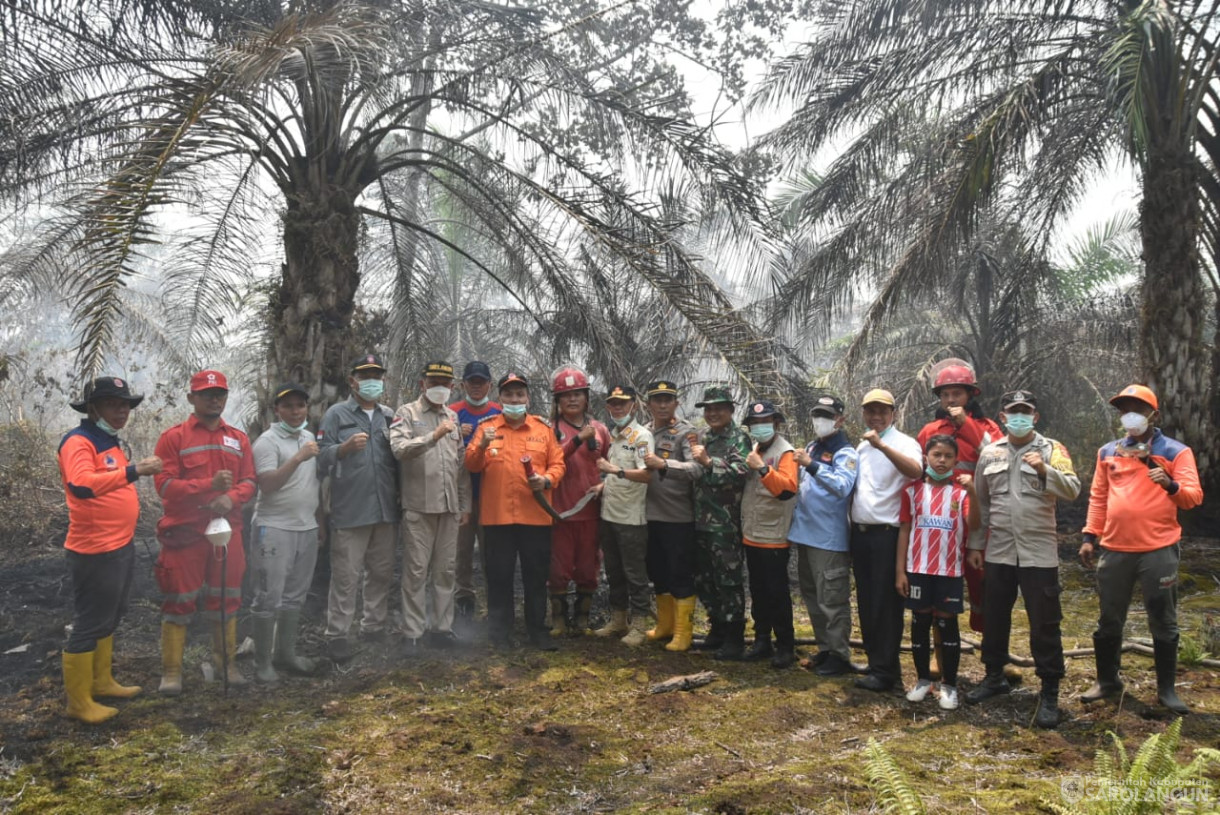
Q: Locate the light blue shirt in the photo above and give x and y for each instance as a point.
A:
(821, 517)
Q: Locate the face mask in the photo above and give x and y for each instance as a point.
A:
(470, 400)
(935, 476)
(438, 395)
(105, 427)
(371, 389)
(622, 421)
(762, 432)
(1019, 424)
(289, 430)
(1136, 424)
(515, 411)
(823, 427)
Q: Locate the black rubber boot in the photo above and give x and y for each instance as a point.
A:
(1048, 705)
(734, 646)
(1106, 654)
(714, 638)
(760, 649)
(1165, 654)
(994, 684)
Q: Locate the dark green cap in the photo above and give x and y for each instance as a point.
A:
(715, 395)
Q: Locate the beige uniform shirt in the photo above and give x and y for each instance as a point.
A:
(623, 501)
(434, 476)
(1018, 505)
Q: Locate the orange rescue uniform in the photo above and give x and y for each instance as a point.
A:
(783, 481)
(505, 495)
(99, 483)
(1128, 511)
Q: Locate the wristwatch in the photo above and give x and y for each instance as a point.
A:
(766, 468)
(621, 473)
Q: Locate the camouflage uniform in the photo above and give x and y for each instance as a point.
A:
(719, 578)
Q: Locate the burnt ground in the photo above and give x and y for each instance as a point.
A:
(481, 730)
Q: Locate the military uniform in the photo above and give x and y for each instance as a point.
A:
(719, 574)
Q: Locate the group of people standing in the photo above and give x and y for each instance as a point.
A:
(673, 512)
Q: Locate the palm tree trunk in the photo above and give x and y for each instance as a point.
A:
(312, 316)
(1176, 362)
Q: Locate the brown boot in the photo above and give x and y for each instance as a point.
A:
(224, 651)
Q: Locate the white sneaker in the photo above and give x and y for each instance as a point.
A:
(948, 697)
(920, 691)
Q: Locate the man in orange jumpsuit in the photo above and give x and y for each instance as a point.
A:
(208, 472)
(515, 508)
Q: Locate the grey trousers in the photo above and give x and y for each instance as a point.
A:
(825, 579)
(368, 549)
(282, 562)
(625, 553)
(429, 554)
(1157, 574)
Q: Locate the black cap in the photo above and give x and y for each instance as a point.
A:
(286, 388)
(1014, 398)
(762, 410)
(438, 368)
(510, 378)
(368, 361)
(620, 392)
(105, 387)
(477, 370)
(828, 405)
(662, 387)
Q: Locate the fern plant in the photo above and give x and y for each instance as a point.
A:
(1147, 784)
(889, 783)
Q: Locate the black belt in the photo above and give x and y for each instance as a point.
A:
(873, 527)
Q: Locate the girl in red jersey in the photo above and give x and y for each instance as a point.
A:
(936, 515)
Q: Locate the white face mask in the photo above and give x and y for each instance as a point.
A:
(1136, 424)
(823, 427)
(438, 395)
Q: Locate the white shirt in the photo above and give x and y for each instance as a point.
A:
(879, 484)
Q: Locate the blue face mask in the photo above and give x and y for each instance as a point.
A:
(477, 402)
(762, 432)
(105, 426)
(935, 476)
(371, 389)
(515, 411)
(289, 430)
(622, 421)
(1019, 425)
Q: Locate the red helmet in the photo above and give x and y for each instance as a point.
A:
(962, 375)
(569, 378)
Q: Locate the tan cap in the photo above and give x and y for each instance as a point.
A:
(878, 395)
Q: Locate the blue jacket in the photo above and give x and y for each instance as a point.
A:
(821, 518)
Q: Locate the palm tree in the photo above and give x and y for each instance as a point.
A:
(342, 113)
(1029, 102)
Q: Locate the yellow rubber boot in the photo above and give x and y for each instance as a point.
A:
(173, 642)
(224, 649)
(559, 615)
(78, 682)
(103, 680)
(665, 618)
(684, 612)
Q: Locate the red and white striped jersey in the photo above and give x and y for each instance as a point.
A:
(937, 514)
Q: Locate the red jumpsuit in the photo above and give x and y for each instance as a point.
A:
(972, 437)
(575, 555)
(192, 455)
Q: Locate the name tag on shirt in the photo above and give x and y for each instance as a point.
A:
(232, 443)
